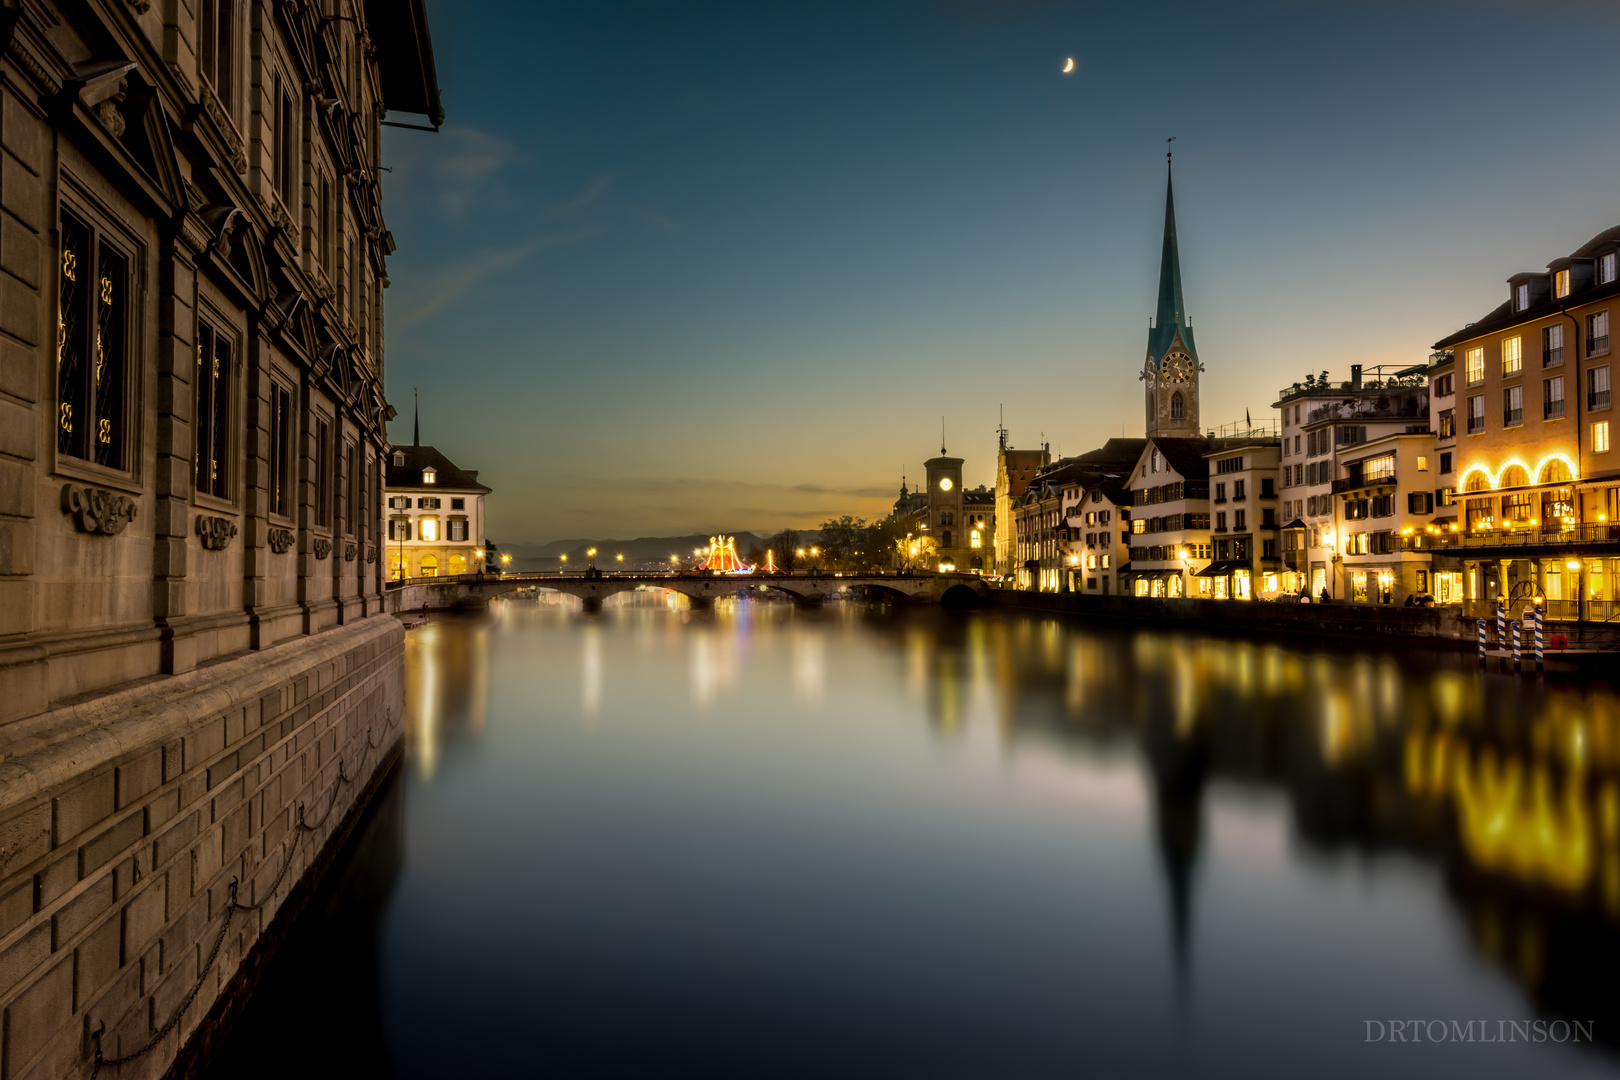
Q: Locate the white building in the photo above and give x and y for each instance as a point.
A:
(435, 515)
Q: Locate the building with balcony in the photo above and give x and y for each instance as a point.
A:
(1326, 425)
(1170, 518)
(1538, 483)
(1096, 515)
(435, 516)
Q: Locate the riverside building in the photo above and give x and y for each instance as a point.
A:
(1014, 471)
(1361, 485)
(435, 515)
(193, 630)
(1537, 478)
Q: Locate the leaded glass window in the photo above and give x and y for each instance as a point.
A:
(92, 348)
(213, 413)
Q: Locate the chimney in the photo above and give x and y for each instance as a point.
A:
(1355, 376)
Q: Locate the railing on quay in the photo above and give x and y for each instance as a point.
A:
(1598, 532)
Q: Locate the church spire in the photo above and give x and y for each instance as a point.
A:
(1172, 311)
(416, 422)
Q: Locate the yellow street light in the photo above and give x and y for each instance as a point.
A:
(1573, 564)
(590, 551)
(619, 557)
(565, 558)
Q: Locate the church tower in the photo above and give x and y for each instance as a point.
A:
(1170, 374)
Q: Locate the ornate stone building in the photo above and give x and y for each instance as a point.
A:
(192, 258)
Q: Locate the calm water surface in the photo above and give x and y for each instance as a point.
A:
(769, 843)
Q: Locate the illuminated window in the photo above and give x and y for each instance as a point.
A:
(429, 527)
(430, 566)
(213, 403)
(1600, 437)
(430, 476)
(92, 304)
(975, 540)
(1381, 467)
(1513, 476)
(1422, 463)
(1516, 508)
(1512, 355)
(1561, 284)
(1474, 365)
(458, 563)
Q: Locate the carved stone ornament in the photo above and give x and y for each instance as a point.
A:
(323, 547)
(371, 553)
(216, 532)
(227, 127)
(281, 540)
(276, 213)
(141, 6)
(97, 511)
(349, 552)
(111, 113)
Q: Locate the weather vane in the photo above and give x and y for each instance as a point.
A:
(1167, 150)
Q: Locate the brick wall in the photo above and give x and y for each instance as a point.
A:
(123, 822)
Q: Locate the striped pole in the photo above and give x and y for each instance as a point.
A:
(1541, 639)
(1480, 623)
(1501, 627)
(1517, 655)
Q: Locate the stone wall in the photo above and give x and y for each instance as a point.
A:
(125, 820)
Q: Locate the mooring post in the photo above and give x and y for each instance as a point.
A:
(1480, 624)
(1517, 655)
(1541, 644)
(1501, 636)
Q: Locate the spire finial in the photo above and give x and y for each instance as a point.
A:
(416, 425)
(942, 436)
(1167, 151)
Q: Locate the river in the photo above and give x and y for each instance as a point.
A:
(767, 842)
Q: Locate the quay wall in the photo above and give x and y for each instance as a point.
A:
(125, 819)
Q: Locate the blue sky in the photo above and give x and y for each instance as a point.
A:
(695, 267)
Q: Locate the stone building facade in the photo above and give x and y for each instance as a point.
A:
(194, 656)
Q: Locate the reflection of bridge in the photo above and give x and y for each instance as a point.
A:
(952, 590)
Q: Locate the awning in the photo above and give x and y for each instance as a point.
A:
(1297, 523)
(1221, 569)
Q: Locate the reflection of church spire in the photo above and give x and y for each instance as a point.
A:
(1180, 766)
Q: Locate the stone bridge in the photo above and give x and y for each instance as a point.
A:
(474, 590)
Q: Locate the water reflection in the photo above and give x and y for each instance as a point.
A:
(858, 841)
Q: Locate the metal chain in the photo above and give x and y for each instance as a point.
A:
(231, 909)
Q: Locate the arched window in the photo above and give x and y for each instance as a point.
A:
(1514, 476)
(1477, 481)
(1178, 408)
(1555, 472)
(430, 566)
(458, 563)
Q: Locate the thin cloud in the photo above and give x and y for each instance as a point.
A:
(585, 199)
(455, 283)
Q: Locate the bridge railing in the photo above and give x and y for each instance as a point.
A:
(641, 575)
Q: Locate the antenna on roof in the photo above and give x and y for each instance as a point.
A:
(1001, 426)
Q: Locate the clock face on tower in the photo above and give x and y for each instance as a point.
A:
(1177, 368)
(945, 484)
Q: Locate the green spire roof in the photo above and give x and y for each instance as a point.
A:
(1172, 314)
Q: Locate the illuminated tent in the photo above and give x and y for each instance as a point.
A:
(723, 556)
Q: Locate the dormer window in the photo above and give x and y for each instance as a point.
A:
(1606, 268)
(430, 476)
(1561, 284)
(399, 459)
(1521, 297)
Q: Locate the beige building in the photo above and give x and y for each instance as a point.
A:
(194, 643)
(1537, 478)
(1014, 471)
(435, 516)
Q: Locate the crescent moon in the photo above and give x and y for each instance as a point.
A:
(1068, 65)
